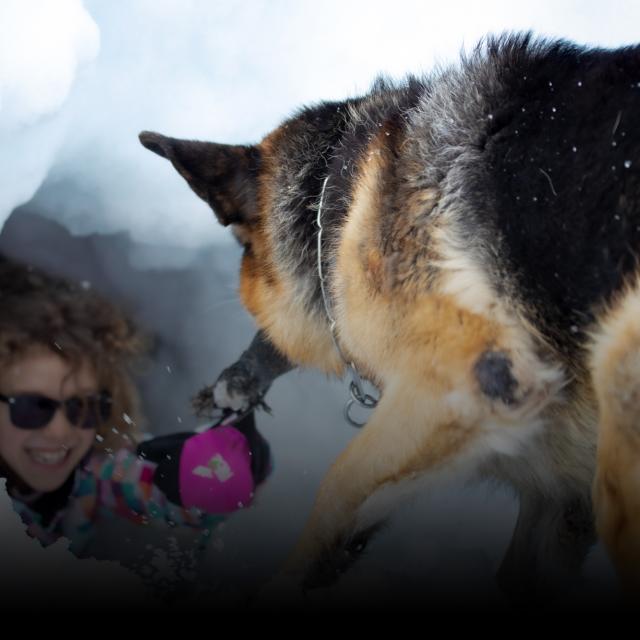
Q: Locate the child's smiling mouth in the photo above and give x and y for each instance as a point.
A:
(49, 457)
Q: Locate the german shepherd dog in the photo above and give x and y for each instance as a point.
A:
(477, 263)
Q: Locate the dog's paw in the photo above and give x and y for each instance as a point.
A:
(238, 388)
(225, 397)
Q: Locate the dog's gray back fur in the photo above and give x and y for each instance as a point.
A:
(512, 139)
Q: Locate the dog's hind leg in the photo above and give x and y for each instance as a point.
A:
(616, 378)
(405, 436)
(548, 548)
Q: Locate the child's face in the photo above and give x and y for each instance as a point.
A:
(44, 458)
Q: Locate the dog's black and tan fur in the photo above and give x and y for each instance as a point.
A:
(481, 228)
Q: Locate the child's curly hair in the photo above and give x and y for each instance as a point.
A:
(41, 310)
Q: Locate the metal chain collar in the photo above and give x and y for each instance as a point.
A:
(358, 395)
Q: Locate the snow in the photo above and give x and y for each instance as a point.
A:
(43, 47)
(79, 81)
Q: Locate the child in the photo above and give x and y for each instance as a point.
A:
(69, 423)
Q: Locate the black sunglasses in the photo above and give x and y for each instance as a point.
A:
(34, 411)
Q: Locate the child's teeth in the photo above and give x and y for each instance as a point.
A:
(49, 457)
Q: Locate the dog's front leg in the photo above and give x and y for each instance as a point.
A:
(412, 434)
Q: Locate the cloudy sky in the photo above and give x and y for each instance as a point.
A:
(79, 80)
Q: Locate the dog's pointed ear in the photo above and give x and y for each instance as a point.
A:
(223, 175)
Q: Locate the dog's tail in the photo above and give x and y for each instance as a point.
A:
(615, 368)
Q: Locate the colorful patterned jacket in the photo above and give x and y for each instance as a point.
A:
(104, 486)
